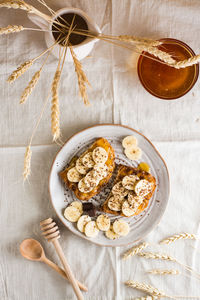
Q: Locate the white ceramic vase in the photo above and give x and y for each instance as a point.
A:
(81, 50)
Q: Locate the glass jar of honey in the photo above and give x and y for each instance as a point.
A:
(167, 82)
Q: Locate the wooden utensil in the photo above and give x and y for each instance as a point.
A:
(52, 234)
(33, 250)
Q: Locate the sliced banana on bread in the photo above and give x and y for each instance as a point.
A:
(130, 193)
(87, 174)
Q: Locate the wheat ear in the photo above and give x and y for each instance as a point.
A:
(20, 71)
(187, 62)
(161, 256)
(135, 250)
(11, 29)
(164, 56)
(82, 79)
(180, 236)
(133, 39)
(28, 90)
(27, 163)
(164, 272)
(55, 112)
(17, 4)
(147, 288)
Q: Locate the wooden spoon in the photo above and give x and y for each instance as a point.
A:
(32, 250)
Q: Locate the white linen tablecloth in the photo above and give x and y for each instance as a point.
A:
(117, 97)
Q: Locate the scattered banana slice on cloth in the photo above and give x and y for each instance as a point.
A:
(72, 214)
(82, 221)
(121, 228)
(129, 182)
(91, 229)
(80, 167)
(73, 175)
(88, 161)
(110, 234)
(99, 155)
(103, 222)
(129, 141)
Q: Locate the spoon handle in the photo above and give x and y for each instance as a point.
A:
(68, 270)
(62, 273)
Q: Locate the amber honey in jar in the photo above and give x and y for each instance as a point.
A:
(163, 81)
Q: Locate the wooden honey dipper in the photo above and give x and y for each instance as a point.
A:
(52, 234)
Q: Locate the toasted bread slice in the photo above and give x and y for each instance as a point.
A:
(100, 142)
(124, 171)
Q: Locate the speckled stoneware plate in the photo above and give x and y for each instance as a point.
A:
(140, 225)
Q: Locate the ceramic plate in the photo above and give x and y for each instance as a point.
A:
(140, 225)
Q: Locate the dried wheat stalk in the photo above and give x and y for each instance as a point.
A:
(164, 56)
(161, 256)
(164, 272)
(27, 162)
(17, 4)
(147, 288)
(187, 62)
(135, 250)
(28, 90)
(55, 112)
(82, 79)
(176, 237)
(20, 70)
(133, 39)
(151, 255)
(11, 29)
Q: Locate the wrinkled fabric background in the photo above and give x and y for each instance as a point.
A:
(117, 97)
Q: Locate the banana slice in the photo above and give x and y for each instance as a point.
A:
(129, 141)
(91, 179)
(133, 153)
(91, 229)
(101, 170)
(73, 175)
(83, 188)
(128, 210)
(82, 221)
(129, 182)
(88, 161)
(143, 188)
(115, 203)
(80, 167)
(103, 222)
(72, 214)
(119, 190)
(78, 205)
(121, 228)
(110, 234)
(99, 155)
(133, 199)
